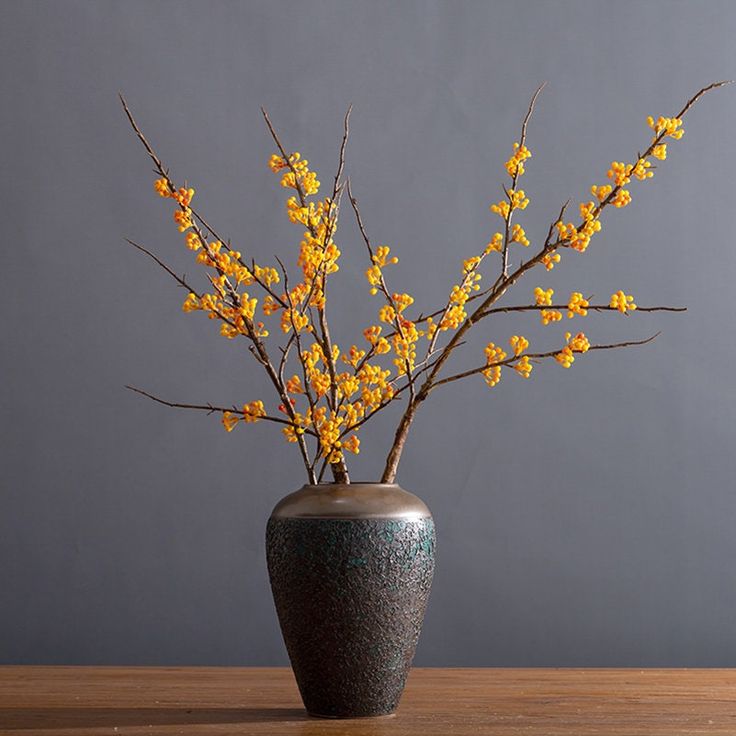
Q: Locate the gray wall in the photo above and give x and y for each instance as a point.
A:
(586, 517)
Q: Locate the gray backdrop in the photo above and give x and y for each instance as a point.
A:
(586, 517)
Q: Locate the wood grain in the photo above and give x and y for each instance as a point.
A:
(51, 701)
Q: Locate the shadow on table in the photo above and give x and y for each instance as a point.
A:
(51, 718)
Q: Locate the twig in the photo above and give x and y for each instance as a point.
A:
(590, 307)
(210, 409)
(549, 354)
(514, 180)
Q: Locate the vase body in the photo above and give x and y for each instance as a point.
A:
(351, 568)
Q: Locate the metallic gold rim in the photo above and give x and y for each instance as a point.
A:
(351, 501)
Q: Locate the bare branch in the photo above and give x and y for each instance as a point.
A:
(179, 279)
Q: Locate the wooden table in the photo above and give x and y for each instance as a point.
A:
(52, 701)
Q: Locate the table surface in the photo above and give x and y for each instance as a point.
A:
(438, 702)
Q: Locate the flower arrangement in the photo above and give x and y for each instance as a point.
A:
(326, 391)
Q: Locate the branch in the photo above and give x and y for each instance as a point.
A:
(514, 180)
(533, 356)
(210, 409)
(339, 469)
(179, 279)
(258, 348)
(590, 307)
(382, 283)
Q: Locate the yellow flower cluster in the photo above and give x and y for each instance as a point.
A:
(455, 313)
(577, 305)
(623, 302)
(298, 174)
(495, 244)
(517, 200)
(233, 317)
(518, 235)
(550, 259)
(515, 165)
(494, 355)
(577, 344)
(372, 335)
(579, 238)
(404, 344)
(338, 390)
(518, 344)
(251, 413)
(620, 173)
(524, 367)
(622, 198)
(543, 298)
(601, 192)
(669, 126)
(380, 260)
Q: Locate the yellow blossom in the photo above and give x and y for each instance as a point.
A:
(642, 170)
(622, 198)
(372, 333)
(229, 420)
(518, 343)
(253, 412)
(270, 305)
(623, 302)
(550, 315)
(294, 385)
(496, 244)
(579, 343)
(577, 305)
(354, 356)
(543, 297)
(523, 367)
(601, 192)
(565, 357)
(501, 208)
(387, 313)
(162, 187)
(519, 200)
(352, 444)
(381, 259)
(191, 303)
(669, 126)
(347, 385)
(518, 235)
(402, 301)
(276, 163)
(515, 165)
(374, 275)
(550, 259)
(183, 219)
(193, 241)
(320, 382)
(183, 196)
(620, 173)
(494, 355)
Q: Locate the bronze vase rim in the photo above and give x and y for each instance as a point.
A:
(352, 501)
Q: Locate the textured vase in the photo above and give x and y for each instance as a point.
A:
(351, 567)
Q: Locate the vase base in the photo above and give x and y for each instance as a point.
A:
(351, 718)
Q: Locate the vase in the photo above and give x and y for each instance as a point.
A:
(351, 567)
